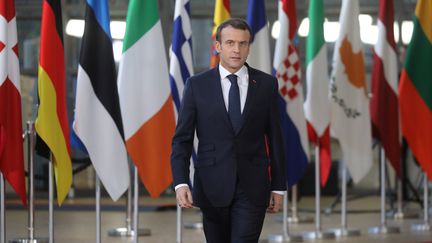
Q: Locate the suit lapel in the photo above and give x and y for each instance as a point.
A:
(217, 86)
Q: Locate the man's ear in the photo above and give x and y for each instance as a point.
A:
(218, 46)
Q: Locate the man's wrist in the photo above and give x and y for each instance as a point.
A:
(180, 185)
(279, 192)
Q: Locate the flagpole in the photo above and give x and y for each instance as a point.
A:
(285, 236)
(343, 230)
(383, 228)
(179, 224)
(2, 210)
(128, 231)
(426, 225)
(318, 233)
(400, 214)
(125, 231)
(135, 213)
(50, 201)
(295, 219)
(30, 132)
(98, 213)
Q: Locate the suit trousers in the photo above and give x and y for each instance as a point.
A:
(240, 222)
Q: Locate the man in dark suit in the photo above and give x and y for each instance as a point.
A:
(240, 170)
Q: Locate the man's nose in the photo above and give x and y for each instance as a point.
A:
(236, 47)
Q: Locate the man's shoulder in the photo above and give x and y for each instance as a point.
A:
(205, 74)
(260, 75)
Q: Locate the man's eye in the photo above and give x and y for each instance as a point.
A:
(244, 44)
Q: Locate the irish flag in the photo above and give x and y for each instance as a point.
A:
(11, 143)
(222, 12)
(317, 106)
(415, 89)
(145, 97)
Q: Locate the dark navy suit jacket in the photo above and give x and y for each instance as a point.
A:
(226, 159)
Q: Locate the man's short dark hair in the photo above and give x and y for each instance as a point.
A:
(236, 23)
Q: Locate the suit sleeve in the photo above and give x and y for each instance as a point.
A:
(275, 143)
(182, 143)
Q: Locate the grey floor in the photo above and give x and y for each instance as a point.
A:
(77, 224)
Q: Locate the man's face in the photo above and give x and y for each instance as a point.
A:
(233, 48)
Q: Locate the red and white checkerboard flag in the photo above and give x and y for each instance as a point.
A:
(12, 158)
(286, 68)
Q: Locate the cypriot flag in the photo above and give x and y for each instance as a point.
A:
(350, 118)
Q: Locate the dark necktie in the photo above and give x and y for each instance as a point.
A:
(234, 109)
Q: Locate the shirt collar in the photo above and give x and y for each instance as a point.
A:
(241, 73)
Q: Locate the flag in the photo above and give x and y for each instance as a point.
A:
(222, 12)
(384, 101)
(286, 67)
(317, 106)
(98, 122)
(415, 88)
(12, 157)
(145, 99)
(350, 117)
(259, 55)
(52, 121)
(181, 65)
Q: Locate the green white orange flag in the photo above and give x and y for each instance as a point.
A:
(222, 12)
(11, 142)
(415, 88)
(350, 117)
(317, 106)
(145, 96)
(51, 122)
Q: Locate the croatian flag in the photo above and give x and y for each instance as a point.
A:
(286, 68)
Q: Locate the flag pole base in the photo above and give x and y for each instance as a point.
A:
(402, 215)
(281, 238)
(300, 220)
(296, 220)
(421, 227)
(343, 232)
(384, 230)
(23, 240)
(124, 232)
(194, 226)
(313, 235)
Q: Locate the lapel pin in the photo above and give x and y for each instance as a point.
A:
(253, 80)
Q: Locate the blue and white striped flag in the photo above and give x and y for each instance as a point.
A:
(98, 122)
(181, 64)
(259, 55)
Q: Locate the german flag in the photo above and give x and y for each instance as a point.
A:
(415, 89)
(51, 122)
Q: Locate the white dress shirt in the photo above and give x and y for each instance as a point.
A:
(242, 81)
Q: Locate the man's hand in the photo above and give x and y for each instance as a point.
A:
(275, 202)
(184, 197)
